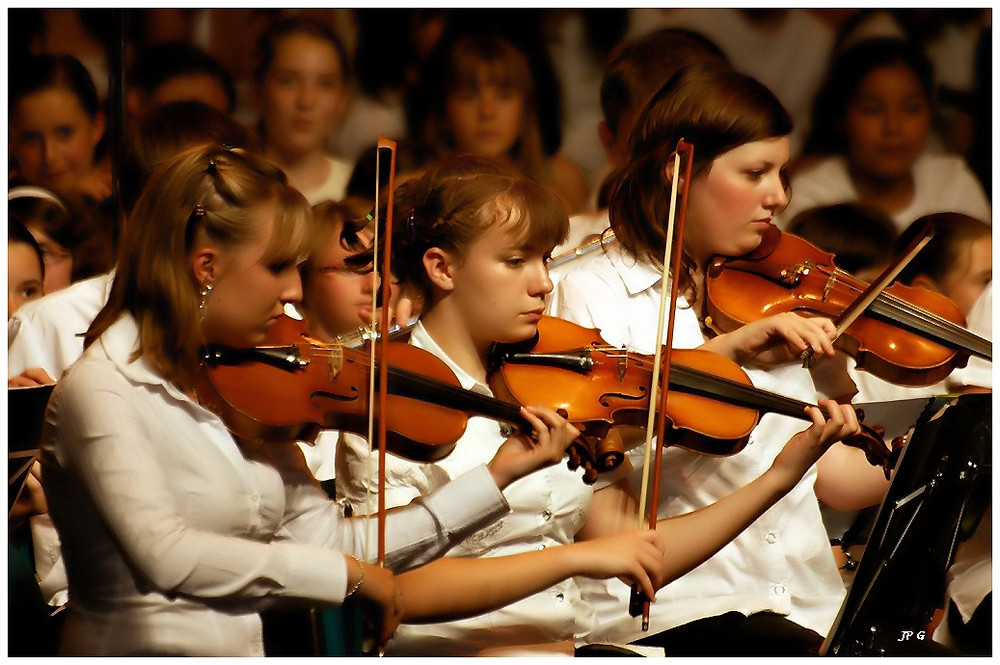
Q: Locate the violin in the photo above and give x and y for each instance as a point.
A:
(908, 336)
(295, 385)
(712, 405)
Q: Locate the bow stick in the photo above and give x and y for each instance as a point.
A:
(382, 341)
(639, 604)
(869, 295)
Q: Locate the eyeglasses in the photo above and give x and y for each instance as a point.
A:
(343, 270)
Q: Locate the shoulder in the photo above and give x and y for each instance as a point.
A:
(945, 182)
(823, 182)
(933, 167)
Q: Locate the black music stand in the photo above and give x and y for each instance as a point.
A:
(25, 414)
(938, 494)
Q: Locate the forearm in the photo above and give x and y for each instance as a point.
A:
(690, 539)
(724, 345)
(455, 587)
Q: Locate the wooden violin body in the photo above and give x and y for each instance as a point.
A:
(712, 406)
(909, 336)
(296, 386)
(573, 371)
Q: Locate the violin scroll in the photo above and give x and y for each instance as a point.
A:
(871, 440)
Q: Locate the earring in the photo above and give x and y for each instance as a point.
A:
(205, 290)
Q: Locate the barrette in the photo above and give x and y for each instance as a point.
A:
(199, 210)
(411, 226)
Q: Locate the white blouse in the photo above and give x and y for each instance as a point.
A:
(547, 509)
(782, 562)
(942, 183)
(174, 537)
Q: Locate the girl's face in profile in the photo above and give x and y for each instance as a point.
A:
(53, 138)
(338, 298)
(485, 119)
(886, 123)
(302, 96)
(24, 276)
(58, 260)
(500, 286)
(731, 206)
(249, 288)
(971, 273)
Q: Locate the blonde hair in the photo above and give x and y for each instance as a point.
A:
(209, 188)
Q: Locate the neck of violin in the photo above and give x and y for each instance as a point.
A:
(722, 389)
(409, 384)
(930, 325)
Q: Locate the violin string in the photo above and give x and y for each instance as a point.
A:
(947, 330)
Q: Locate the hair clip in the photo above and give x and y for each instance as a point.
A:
(199, 210)
(228, 147)
(411, 226)
(211, 168)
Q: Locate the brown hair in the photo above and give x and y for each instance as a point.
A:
(267, 45)
(713, 108)
(861, 237)
(952, 232)
(639, 67)
(462, 68)
(152, 281)
(454, 201)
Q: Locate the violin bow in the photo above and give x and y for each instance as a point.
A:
(382, 341)
(661, 369)
(869, 295)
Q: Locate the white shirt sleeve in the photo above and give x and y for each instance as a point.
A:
(104, 439)
(416, 533)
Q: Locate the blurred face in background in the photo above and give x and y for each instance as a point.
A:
(24, 275)
(485, 119)
(887, 123)
(58, 260)
(53, 139)
(303, 95)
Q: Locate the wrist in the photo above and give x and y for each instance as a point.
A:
(779, 480)
(357, 572)
(501, 475)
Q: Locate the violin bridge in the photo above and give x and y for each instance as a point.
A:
(830, 283)
(335, 360)
(622, 366)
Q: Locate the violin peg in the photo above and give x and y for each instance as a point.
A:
(574, 458)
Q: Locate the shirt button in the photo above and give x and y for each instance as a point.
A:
(560, 597)
(771, 538)
(541, 547)
(779, 590)
(255, 498)
(546, 515)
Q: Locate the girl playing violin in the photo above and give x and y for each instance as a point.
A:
(175, 535)
(775, 588)
(474, 236)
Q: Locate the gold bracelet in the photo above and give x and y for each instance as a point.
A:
(361, 577)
